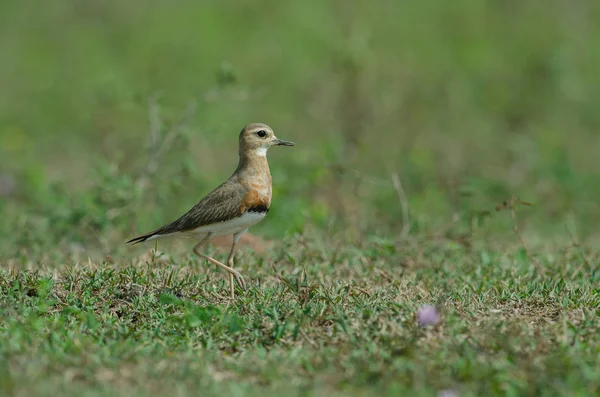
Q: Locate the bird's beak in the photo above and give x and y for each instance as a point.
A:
(279, 142)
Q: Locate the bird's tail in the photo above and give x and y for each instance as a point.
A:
(145, 237)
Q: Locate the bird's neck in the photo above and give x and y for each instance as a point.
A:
(253, 164)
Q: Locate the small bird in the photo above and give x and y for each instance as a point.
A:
(240, 202)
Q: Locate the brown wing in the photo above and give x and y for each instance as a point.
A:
(220, 205)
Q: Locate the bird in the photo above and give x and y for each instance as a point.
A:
(233, 207)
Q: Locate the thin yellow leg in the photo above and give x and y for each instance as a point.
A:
(236, 238)
(233, 273)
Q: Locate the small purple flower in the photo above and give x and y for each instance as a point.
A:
(427, 315)
(448, 393)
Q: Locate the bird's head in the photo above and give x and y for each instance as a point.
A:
(257, 138)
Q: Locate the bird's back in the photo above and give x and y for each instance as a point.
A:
(223, 204)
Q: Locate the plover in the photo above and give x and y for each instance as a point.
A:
(240, 202)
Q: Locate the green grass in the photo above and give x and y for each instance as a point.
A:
(468, 103)
(332, 320)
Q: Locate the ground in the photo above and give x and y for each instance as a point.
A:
(316, 320)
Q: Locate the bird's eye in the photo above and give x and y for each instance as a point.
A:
(262, 133)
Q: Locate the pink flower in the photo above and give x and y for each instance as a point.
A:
(448, 393)
(427, 315)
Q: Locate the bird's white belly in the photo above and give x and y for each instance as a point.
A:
(231, 226)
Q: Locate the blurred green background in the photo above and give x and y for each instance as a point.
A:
(468, 101)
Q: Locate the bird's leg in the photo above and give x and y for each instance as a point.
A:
(236, 238)
(232, 272)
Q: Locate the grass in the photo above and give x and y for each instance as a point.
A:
(414, 122)
(337, 321)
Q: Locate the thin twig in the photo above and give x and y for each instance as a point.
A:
(384, 274)
(511, 207)
(176, 130)
(159, 145)
(307, 338)
(403, 205)
(155, 121)
(370, 179)
(577, 245)
(361, 290)
(397, 185)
